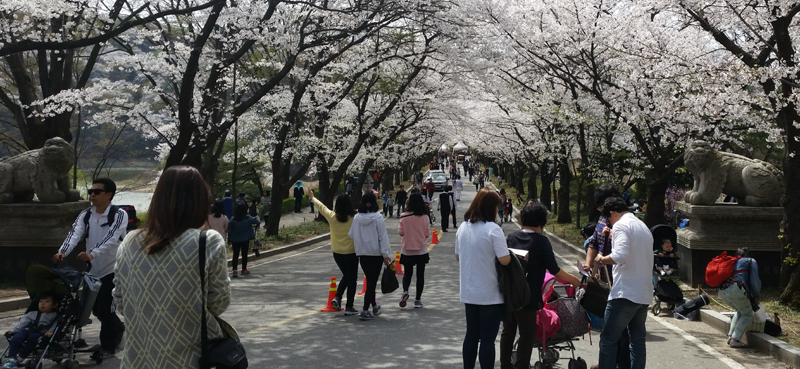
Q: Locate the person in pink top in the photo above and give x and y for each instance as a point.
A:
(415, 229)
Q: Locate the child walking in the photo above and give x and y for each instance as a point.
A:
(31, 327)
(390, 205)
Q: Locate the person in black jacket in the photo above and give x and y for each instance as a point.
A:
(298, 196)
(540, 259)
(446, 205)
(401, 197)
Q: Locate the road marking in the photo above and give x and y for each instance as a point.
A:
(293, 255)
(282, 322)
(720, 356)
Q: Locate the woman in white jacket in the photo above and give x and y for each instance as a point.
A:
(372, 247)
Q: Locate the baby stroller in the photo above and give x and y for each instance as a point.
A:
(574, 323)
(79, 291)
(664, 287)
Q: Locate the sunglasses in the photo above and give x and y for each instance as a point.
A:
(95, 191)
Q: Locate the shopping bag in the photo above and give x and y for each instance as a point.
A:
(574, 322)
(389, 281)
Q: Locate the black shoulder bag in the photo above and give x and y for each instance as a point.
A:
(220, 353)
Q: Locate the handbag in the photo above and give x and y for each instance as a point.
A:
(389, 281)
(220, 353)
(574, 322)
(595, 295)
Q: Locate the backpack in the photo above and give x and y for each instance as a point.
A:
(720, 268)
(133, 221)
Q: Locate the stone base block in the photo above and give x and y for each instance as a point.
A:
(727, 227)
(31, 233)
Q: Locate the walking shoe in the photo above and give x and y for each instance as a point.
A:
(366, 315)
(737, 344)
(418, 304)
(10, 363)
(245, 271)
(376, 310)
(404, 299)
(235, 274)
(81, 343)
(337, 303)
(105, 354)
(729, 340)
(350, 311)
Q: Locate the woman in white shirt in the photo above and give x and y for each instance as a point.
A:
(479, 242)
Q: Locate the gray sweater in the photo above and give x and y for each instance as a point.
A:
(47, 322)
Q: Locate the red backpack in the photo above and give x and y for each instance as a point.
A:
(720, 268)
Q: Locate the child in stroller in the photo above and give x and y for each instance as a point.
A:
(24, 337)
(665, 258)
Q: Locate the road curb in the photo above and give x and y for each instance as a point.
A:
(763, 342)
(23, 302)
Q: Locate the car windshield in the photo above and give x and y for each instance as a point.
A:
(439, 177)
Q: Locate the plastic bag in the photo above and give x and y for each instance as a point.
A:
(389, 281)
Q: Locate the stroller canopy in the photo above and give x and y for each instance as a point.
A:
(63, 281)
(662, 231)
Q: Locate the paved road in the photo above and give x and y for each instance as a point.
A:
(276, 310)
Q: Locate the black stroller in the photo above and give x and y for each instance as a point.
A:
(664, 287)
(79, 291)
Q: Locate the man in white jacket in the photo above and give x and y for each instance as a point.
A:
(457, 187)
(371, 243)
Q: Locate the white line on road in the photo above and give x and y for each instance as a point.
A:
(720, 356)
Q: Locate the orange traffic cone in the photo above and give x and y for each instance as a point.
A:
(435, 239)
(398, 269)
(331, 296)
(363, 287)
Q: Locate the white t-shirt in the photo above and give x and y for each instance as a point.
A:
(478, 245)
(632, 251)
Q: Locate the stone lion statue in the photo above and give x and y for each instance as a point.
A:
(752, 182)
(44, 172)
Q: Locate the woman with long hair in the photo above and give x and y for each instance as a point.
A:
(479, 242)
(216, 220)
(158, 279)
(240, 232)
(371, 244)
(344, 253)
(415, 229)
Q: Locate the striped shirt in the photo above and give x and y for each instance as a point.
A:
(102, 240)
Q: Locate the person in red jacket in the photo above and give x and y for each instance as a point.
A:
(430, 188)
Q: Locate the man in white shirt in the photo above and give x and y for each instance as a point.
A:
(103, 231)
(632, 290)
(458, 186)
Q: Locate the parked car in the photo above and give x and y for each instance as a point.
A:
(439, 179)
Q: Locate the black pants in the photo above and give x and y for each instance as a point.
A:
(244, 248)
(525, 320)
(430, 195)
(401, 207)
(445, 218)
(371, 265)
(483, 322)
(477, 186)
(453, 212)
(409, 272)
(298, 202)
(111, 328)
(348, 264)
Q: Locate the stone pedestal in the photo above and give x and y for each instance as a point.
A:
(31, 233)
(726, 227)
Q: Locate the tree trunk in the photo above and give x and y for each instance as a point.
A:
(532, 176)
(545, 196)
(564, 214)
(656, 196)
(790, 270)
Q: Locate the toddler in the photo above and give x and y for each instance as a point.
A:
(665, 258)
(31, 327)
(389, 205)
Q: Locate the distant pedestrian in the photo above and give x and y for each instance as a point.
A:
(453, 202)
(414, 228)
(266, 203)
(241, 200)
(390, 206)
(227, 204)
(458, 186)
(217, 221)
(385, 201)
(480, 243)
(482, 179)
(371, 242)
(402, 196)
(446, 206)
(240, 232)
(502, 206)
(344, 253)
(298, 196)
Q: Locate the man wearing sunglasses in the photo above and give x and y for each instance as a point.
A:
(103, 233)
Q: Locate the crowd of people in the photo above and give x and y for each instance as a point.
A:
(145, 274)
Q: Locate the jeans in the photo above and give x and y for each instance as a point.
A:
(401, 207)
(23, 343)
(348, 264)
(483, 323)
(111, 328)
(736, 298)
(242, 247)
(409, 272)
(371, 265)
(622, 313)
(525, 319)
